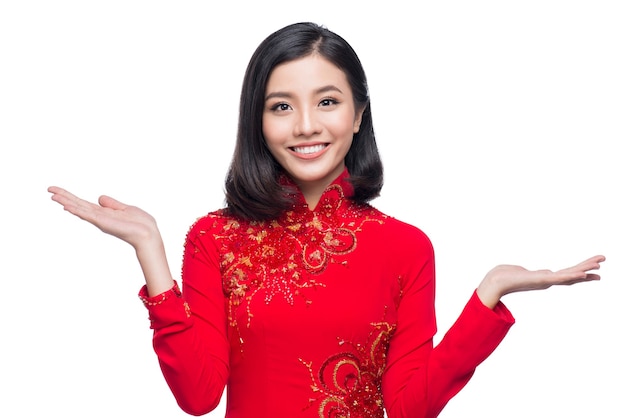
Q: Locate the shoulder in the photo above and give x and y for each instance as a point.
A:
(211, 224)
(410, 253)
(411, 237)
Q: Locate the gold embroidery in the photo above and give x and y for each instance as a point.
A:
(285, 256)
(348, 384)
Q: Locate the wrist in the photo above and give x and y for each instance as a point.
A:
(488, 292)
(149, 245)
(153, 261)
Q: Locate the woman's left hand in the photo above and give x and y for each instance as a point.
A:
(505, 279)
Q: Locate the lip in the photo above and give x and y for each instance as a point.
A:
(310, 155)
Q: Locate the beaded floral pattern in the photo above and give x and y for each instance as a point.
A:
(348, 384)
(284, 257)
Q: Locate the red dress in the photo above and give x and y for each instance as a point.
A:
(324, 313)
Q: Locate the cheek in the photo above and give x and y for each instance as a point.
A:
(274, 137)
(273, 130)
(265, 126)
(343, 125)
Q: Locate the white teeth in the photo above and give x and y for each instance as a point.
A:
(310, 149)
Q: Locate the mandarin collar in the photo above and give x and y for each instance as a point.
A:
(332, 197)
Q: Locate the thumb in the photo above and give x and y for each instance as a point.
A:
(109, 202)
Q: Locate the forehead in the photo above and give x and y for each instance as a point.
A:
(311, 71)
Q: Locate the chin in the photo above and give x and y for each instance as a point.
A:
(312, 177)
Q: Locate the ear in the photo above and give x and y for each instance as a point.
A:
(358, 117)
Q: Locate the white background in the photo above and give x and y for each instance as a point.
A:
(501, 125)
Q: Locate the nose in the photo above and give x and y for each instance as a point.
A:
(306, 124)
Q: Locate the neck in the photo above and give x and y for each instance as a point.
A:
(312, 193)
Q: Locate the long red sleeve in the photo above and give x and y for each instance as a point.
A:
(420, 380)
(190, 334)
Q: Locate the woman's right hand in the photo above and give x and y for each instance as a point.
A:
(128, 223)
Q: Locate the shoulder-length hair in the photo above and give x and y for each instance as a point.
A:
(253, 189)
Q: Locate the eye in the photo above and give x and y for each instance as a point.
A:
(328, 102)
(280, 107)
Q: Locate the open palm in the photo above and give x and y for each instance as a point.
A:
(128, 223)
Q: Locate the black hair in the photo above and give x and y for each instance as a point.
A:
(253, 190)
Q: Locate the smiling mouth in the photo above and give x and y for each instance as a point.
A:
(310, 149)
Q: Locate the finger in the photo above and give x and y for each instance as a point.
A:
(55, 190)
(587, 278)
(592, 276)
(572, 276)
(74, 205)
(67, 199)
(60, 194)
(594, 262)
(109, 202)
(581, 269)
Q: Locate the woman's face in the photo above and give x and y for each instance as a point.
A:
(309, 120)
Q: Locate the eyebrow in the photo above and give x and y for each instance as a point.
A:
(284, 94)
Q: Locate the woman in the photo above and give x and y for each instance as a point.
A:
(299, 296)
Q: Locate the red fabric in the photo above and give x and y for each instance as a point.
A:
(322, 313)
